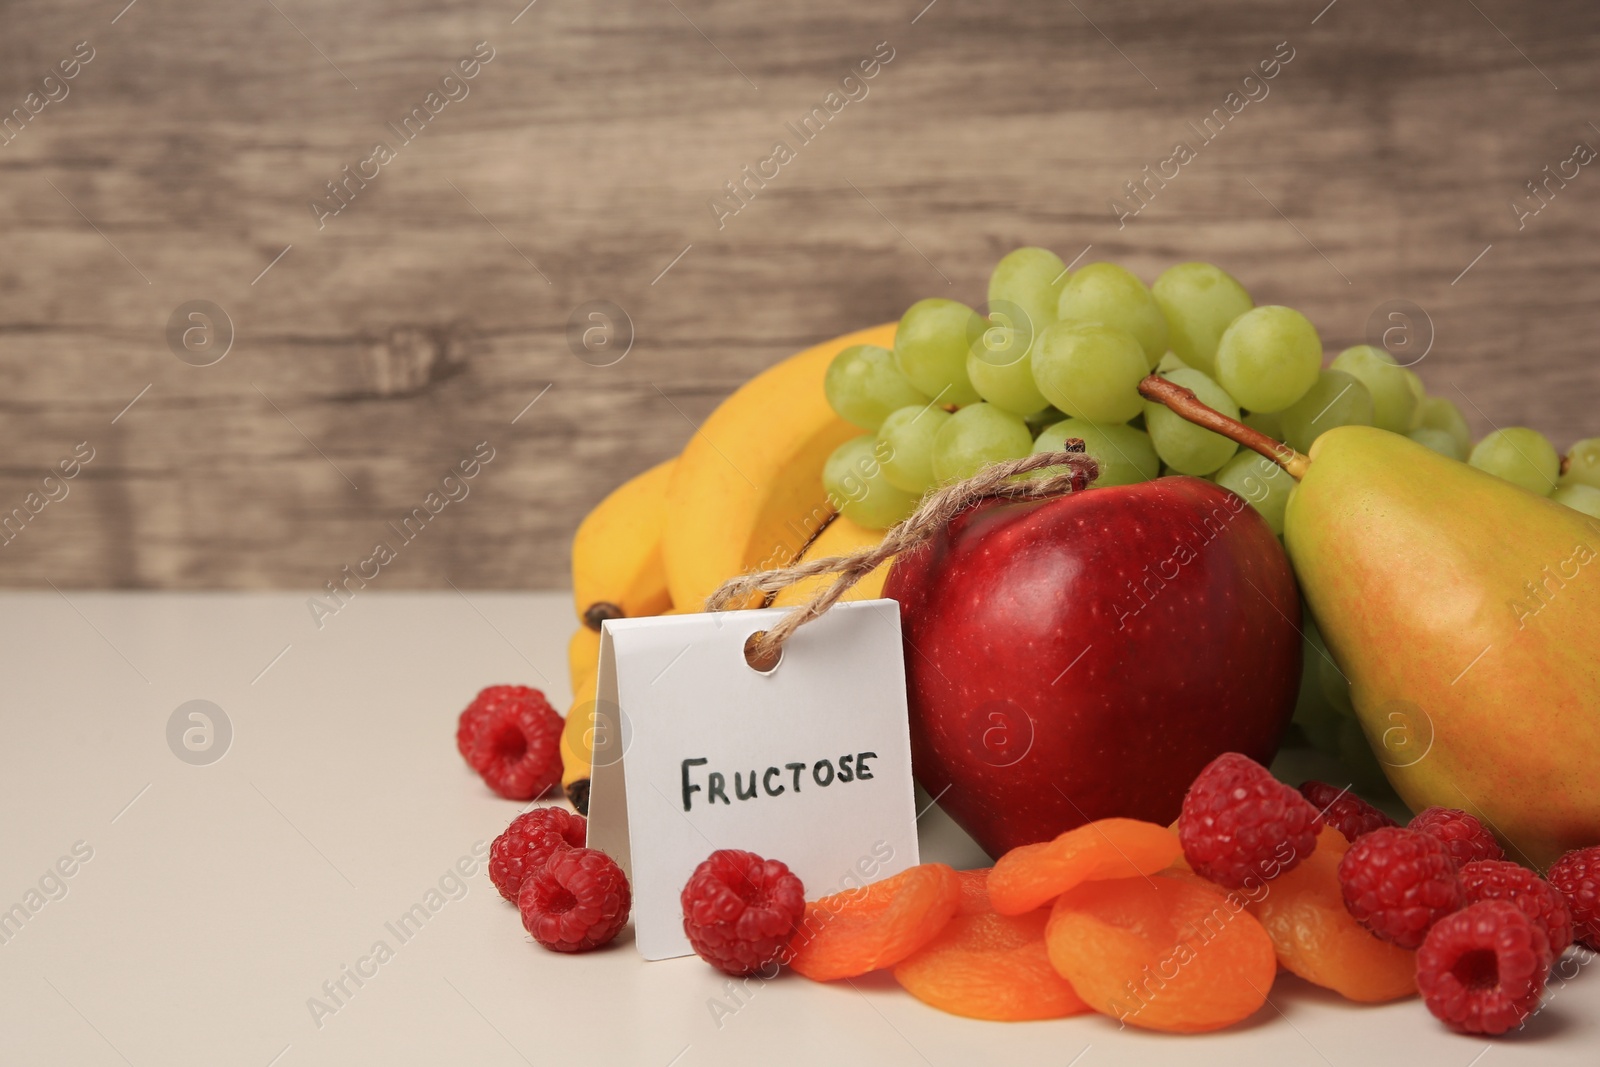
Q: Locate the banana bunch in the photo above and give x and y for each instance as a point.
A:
(746, 494)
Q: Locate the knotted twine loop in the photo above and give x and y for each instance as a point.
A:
(996, 482)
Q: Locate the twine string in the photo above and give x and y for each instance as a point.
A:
(998, 481)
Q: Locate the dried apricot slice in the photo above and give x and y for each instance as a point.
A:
(1316, 937)
(878, 925)
(1030, 876)
(974, 898)
(1180, 872)
(989, 966)
(1164, 952)
(1332, 840)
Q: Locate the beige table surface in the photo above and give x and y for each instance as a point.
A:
(217, 899)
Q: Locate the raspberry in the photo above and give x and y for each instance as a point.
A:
(1483, 969)
(577, 901)
(471, 719)
(740, 911)
(1576, 876)
(1464, 837)
(1538, 899)
(481, 709)
(1344, 811)
(513, 741)
(1398, 882)
(1239, 822)
(530, 839)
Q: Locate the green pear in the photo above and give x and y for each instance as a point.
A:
(1466, 613)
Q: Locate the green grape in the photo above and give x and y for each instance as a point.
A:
(1579, 497)
(1000, 367)
(1418, 390)
(1317, 667)
(906, 446)
(1125, 455)
(1337, 399)
(1113, 295)
(1335, 684)
(1360, 764)
(1182, 445)
(1438, 413)
(1438, 440)
(863, 385)
(1583, 463)
(1312, 713)
(930, 348)
(1316, 717)
(853, 478)
(1268, 357)
(1028, 280)
(1199, 301)
(1041, 419)
(1169, 362)
(1090, 370)
(1521, 456)
(1267, 422)
(1315, 648)
(1260, 481)
(976, 436)
(1393, 402)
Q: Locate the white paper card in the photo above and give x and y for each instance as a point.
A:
(696, 751)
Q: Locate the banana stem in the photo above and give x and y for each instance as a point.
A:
(800, 556)
(1185, 403)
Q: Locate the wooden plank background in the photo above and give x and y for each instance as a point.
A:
(381, 347)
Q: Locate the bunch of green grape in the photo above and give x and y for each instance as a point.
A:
(1061, 353)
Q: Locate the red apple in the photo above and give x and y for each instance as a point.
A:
(1086, 656)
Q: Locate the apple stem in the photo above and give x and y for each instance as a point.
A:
(1185, 403)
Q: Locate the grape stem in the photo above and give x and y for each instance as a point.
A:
(1185, 403)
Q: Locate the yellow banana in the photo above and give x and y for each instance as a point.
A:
(576, 737)
(747, 491)
(583, 656)
(617, 568)
(840, 538)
